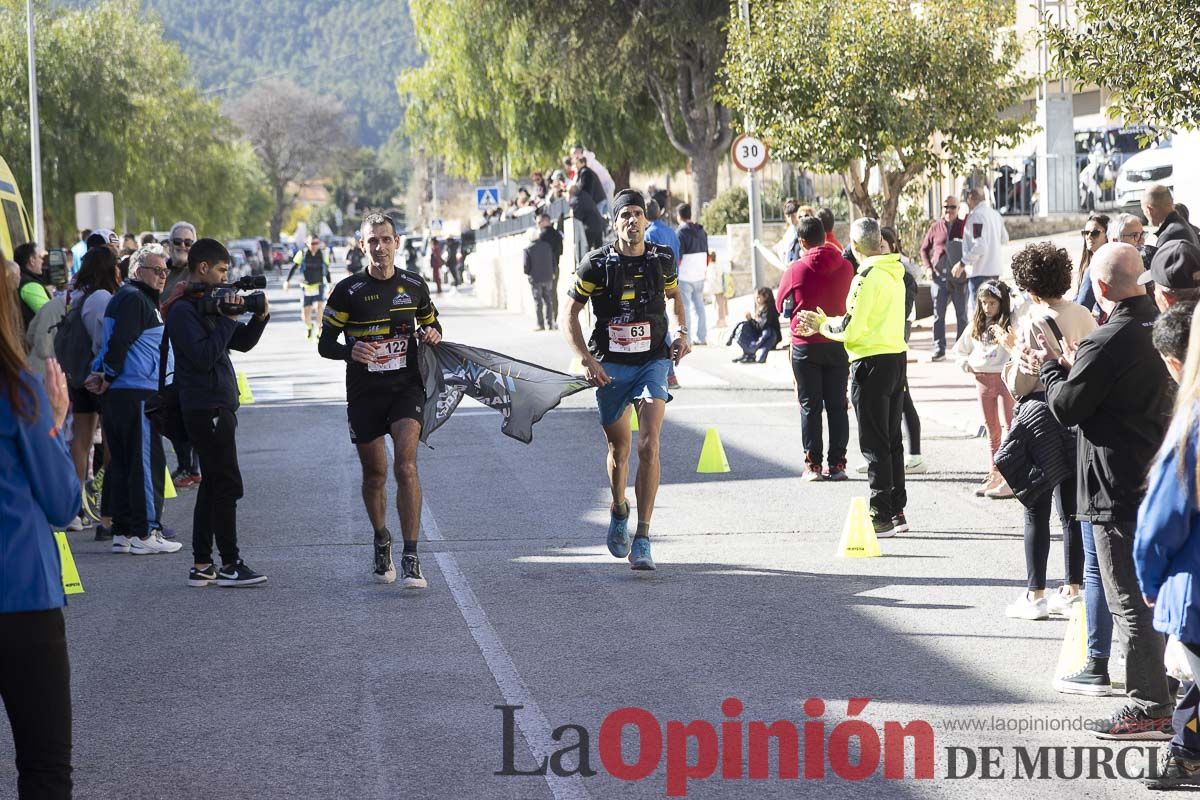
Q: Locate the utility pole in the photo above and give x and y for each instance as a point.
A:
(752, 186)
(35, 147)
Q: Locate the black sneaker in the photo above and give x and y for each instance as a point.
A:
(883, 528)
(939, 355)
(1134, 724)
(1174, 771)
(103, 534)
(1091, 681)
(199, 578)
(900, 523)
(238, 574)
(385, 570)
(410, 572)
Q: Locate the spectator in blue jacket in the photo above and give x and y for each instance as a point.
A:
(1167, 550)
(660, 232)
(39, 491)
(126, 373)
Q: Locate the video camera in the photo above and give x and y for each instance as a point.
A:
(217, 299)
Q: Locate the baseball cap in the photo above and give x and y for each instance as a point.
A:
(102, 237)
(1176, 265)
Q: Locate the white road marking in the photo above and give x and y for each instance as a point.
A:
(530, 719)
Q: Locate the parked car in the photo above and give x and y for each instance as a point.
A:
(1156, 165)
(251, 253)
(1099, 154)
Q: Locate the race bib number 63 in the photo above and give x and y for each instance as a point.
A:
(633, 337)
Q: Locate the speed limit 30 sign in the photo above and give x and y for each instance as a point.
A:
(749, 153)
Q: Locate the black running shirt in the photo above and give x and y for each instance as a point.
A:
(628, 300)
(386, 314)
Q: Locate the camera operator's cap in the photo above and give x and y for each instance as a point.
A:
(102, 237)
(1175, 265)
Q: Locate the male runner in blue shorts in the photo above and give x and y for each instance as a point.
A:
(628, 283)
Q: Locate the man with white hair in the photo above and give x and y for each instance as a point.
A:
(983, 236)
(872, 331)
(1118, 392)
(179, 242)
(1127, 228)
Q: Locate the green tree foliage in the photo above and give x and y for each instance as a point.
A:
(730, 207)
(529, 79)
(1149, 56)
(348, 49)
(118, 113)
(877, 83)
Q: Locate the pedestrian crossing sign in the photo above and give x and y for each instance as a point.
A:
(487, 197)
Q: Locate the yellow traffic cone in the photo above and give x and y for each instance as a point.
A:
(245, 396)
(633, 423)
(70, 574)
(576, 367)
(712, 455)
(168, 486)
(858, 534)
(1073, 655)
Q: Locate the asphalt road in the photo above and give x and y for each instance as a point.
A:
(323, 684)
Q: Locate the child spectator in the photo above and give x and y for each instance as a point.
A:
(979, 353)
(758, 334)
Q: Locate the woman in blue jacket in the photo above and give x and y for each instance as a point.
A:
(1167, 548)
(39, 492)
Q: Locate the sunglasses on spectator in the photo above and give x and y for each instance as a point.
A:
(183, 242)
(1090, 234)
(1137, 237)
(159, 271)
(950, 208)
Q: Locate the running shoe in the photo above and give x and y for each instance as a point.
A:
(103, 534)
(837, 472)
(1133, 723)
(618, 534)
(167, 533)
(75, 524)
(385, 570)
(884, 529)
(1060, 603)
(900, 523)
(199, 578)
(939, 355)
(1025, 607)
(238, 574)
(1174, 771)
(151, 545)
(915, 465)
(120, 544)
(812, 472)
(410, 572)
(639, 554)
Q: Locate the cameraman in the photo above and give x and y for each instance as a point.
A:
(202, 326)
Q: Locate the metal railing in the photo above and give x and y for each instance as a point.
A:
(496, 229)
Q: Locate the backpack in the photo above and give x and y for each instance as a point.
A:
(73, 346)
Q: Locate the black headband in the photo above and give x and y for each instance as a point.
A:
(628, 197)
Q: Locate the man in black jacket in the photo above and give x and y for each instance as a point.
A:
(1118, 393)
(208, 397)
(542, 272)
(584, 209)
(1159, 207)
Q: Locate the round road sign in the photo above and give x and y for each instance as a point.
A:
(749, 153)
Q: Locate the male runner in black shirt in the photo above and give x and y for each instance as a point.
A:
(627, 283)
(384, 312)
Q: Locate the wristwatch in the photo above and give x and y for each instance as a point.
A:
(683, 331)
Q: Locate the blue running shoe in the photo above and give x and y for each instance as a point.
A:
(618, 534)
(639, 557)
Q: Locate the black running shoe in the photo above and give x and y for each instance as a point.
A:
(1091, 681)
(385, 570)
(199, 578)
(1134, 724)
(1174, 771)
(410, 572)
(103, 534)
(238, 574)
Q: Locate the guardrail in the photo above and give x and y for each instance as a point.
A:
(496, 229)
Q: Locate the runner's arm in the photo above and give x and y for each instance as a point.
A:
(574, 330)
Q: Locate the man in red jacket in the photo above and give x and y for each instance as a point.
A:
(946, 288)
(819, 278)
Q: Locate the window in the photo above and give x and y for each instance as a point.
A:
(16, 225)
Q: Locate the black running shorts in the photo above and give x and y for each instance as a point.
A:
(83, 401)
(371, 414)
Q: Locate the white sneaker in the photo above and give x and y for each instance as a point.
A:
(1025, 607)
(154, 543)
(1059, 604)
(915, 465)
(75, 525)
(861, 469)
(1000, 491)
(120, 544)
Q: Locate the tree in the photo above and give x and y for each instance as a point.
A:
(295, 135)
(1148, 60)
(118, 113)
(882, 84)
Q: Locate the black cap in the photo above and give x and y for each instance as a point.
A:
(1176, 265)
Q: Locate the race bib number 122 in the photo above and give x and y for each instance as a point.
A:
(390, 354)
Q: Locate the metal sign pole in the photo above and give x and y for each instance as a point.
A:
(35, 147)
(752, 191)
